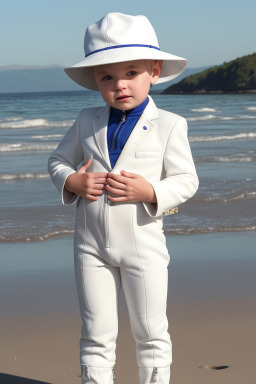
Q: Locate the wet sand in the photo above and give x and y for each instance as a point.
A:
(211, 312)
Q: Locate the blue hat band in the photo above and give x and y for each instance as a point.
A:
(123, 46)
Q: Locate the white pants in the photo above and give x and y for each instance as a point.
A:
(144, 277)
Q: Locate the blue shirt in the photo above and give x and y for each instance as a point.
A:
(120, 126)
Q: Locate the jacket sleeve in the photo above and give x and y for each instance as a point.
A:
(64, 160)
(180, 182)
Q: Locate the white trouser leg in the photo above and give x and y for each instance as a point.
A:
(98, 286)
(145, 286)
(95, 375)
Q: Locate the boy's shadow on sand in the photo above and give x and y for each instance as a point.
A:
(11, 379)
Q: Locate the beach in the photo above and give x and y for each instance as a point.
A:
(211, 312)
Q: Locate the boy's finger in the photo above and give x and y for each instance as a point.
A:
(95, 192)
(101, 180)
(114, 176)
(98, 175)
(115, 191)
(115, 184)
(98, 186)
(119, 199)
(91, 197)
(86, 166)
(129, 174)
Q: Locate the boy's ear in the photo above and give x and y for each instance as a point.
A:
(156, 70)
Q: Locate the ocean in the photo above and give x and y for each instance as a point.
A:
(222, 135)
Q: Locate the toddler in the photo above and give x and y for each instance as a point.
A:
(137, 164)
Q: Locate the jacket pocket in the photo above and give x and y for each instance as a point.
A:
(148, 154)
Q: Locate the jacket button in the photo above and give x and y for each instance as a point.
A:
(145, 128)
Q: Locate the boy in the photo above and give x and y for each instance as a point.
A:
(138, 164)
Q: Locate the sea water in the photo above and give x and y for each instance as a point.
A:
(222, 135)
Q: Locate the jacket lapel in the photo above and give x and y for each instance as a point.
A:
(100, 127)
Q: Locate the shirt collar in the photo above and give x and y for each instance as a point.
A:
(131, 112)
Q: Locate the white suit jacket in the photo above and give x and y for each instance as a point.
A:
(157, 149)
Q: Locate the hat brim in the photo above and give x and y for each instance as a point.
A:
(81, 73)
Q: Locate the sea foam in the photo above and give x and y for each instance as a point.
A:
(204, 110)
(238, 136)
(225, 159)
(225, 198)
(45, 137)
(26, 147)
(23, 176)
(203, 230)
(212, 117)
(12, 123)
(32, 238)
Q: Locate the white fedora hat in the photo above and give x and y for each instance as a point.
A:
(117, 38)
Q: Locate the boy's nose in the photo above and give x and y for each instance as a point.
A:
(120, 84)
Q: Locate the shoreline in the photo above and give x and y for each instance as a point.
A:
(168, 231)
(211, 312)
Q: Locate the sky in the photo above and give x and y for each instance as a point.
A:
(51, 32)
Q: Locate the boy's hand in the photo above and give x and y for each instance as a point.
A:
(129, 187)
(85, 184)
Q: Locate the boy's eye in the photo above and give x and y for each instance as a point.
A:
(132, 73)
(107, 77)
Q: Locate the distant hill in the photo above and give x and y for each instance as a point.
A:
(235, 76)
(158, 88)
(17, 78)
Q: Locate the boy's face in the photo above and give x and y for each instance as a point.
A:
(126, 85)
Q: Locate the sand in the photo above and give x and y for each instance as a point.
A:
(211, 312)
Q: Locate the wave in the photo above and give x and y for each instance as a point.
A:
(11, 119)
(204, 110)
(15, 123)
(215, 117)
(201, 231)
(46, 137)
(224, 199)
(26, 147)
(251, 109)
(238, 136)
(23, 176)
(225, 159)
(201, 118)
(167, 230)
(47, 236)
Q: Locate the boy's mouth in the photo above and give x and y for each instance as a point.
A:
(123, 97)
